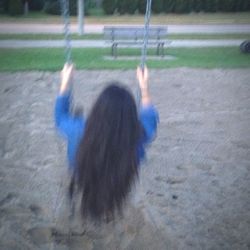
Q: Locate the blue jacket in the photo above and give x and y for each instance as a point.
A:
(73, 127)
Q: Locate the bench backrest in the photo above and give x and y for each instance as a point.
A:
(135, 33)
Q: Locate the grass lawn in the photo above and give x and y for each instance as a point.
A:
(53, 59)
(164, 19)
(100, 36)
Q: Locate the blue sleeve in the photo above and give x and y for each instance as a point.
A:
(149, 119)
(62, 113)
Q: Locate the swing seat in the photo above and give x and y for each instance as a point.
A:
(133, 36)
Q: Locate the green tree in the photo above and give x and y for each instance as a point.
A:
(157, 6)
(4, 6)
(227, 5)
(210, 5)
(182, 6)
(36, 4)
(142, 6)
(168, 6)
(109, 6)
(15, 7)
(54, 7)
(245, 5)
(242, 5)
(121, 6)
(131, 6)
(239, 5)
(197, 5)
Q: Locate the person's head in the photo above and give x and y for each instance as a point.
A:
(107, 155)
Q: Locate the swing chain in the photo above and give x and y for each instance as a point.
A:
(146, 33)
(67, 40)
(144, 48)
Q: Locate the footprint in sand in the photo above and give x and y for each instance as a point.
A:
(8, 89)
(177, 85)
(171, 180)
(2, 176)
(8, 198)
(149, 192)
(203, 166)
(40, 235)
(36, 210)
(176, 180)
(200, 166)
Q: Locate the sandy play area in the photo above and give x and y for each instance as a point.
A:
(194, 187)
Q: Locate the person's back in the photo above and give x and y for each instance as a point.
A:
(104, 150)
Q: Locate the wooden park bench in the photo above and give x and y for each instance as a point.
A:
(133, 36)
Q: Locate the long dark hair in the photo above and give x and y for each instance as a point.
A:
(107, 155)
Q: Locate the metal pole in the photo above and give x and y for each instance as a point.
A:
(80, 17)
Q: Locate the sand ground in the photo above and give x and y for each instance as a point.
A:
(194, 188)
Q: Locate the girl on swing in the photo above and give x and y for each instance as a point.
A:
(106, 148)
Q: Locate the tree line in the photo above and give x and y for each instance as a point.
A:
(175, 6)
(15, 7)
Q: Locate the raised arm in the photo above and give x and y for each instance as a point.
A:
(63, 100)
(142, 77)
(148, 115)
(66, 78)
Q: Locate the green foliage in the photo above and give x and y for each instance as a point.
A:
(109, 6)
(73, 7)
(168, 6)
(131, 6)
(210, 5)
(36, 4)
(121, 6)
(142, 6)
(182, 6)
(241, 5)
(4, 6)
(127, 6)
(87, 4)
(92, 4)
(53, 7)
(244, 5)
(233, 5)
(197, 5)
(157, 6)
(229, 5)
(176, 6)
(190, 6)
(15, 7)
(220, 5)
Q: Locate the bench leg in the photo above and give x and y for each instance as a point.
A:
(158, 49)
(162, 49)
(114, 50)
